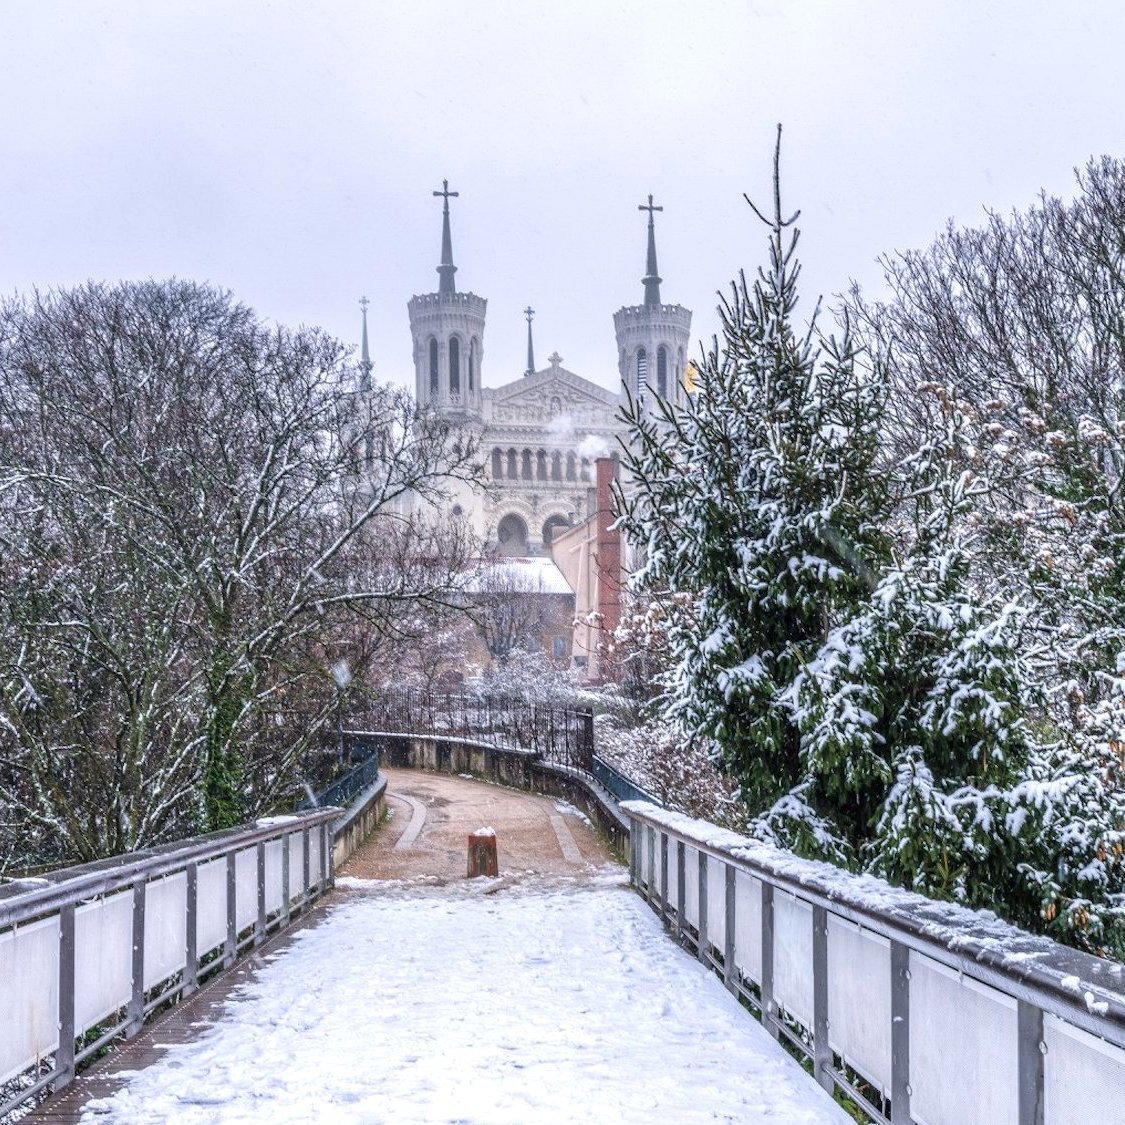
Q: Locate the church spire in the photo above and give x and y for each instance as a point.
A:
(651, 279)
(364, 354)
(447, 269)
(529, 312)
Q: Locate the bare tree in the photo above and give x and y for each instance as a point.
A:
(198, 516)
(1023, 319)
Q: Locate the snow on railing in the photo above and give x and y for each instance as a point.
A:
(921, 1011)
(86, 953)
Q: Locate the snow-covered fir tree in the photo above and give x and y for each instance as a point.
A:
(762, 499)
(901, 639)
(912, 713)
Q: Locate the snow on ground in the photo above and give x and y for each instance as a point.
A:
(567, 809)
(479, 1002)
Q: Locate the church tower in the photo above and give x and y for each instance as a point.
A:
(448, 332)
(652, 338)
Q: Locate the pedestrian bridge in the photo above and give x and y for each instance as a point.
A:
(337, 982)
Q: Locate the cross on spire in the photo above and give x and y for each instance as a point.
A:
(651, 279)
(447, 269)
(529, 312)
(447, 195)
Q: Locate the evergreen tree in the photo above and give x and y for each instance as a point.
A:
(912, 712)
(762, 499)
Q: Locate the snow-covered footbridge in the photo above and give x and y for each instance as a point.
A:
(387, 987)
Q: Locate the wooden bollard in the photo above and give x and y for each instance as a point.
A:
(482, 853)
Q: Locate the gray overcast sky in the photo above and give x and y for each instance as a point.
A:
(287, 150)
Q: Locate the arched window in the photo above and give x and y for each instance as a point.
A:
(642, 372)
(472, 364)
(525, 464)
(513, 471)
(454, 365)
(556, 466)
(541, 465)
(584, 469)
(433, 366)
(497, 464)
(570, 462)
(662, 371)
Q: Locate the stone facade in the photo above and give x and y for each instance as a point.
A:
(541, 433)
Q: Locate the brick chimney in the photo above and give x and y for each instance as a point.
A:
(608, 558)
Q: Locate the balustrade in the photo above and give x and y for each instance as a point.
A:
(88, 952)
(921, 1011)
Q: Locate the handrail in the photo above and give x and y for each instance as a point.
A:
(472, 743)
(347, 785)
(1041, 979)
(925, 925)
(268, 872)
(104, 876)
(623, 787)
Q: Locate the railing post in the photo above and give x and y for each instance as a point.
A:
(231, 950)
(731, 915)
(1030, 1063)
(633, 872)
(703, 942)
(651, 865)
(664, 877)
(769, 1018)
(260, 924)
(900, 1034)
(323, 858)
(136, 1012)
(285, 892)
(822, 1053)
(191, 930)
(64, 1057)
(305, 872)
(681, 890)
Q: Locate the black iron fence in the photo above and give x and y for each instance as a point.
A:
(561, 735)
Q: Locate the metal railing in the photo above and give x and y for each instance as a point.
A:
(560, 735)
(918, 1010)
(86, 953)
(620, 787)
(345, 788)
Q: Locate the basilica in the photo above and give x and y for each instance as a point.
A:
(542, 432)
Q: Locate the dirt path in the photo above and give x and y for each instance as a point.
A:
(433, 814)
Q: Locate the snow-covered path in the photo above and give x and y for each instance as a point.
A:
(541, 1002)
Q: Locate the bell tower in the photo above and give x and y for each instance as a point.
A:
(652, 338)
(447, 328)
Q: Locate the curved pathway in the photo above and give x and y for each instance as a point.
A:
(432, 815)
